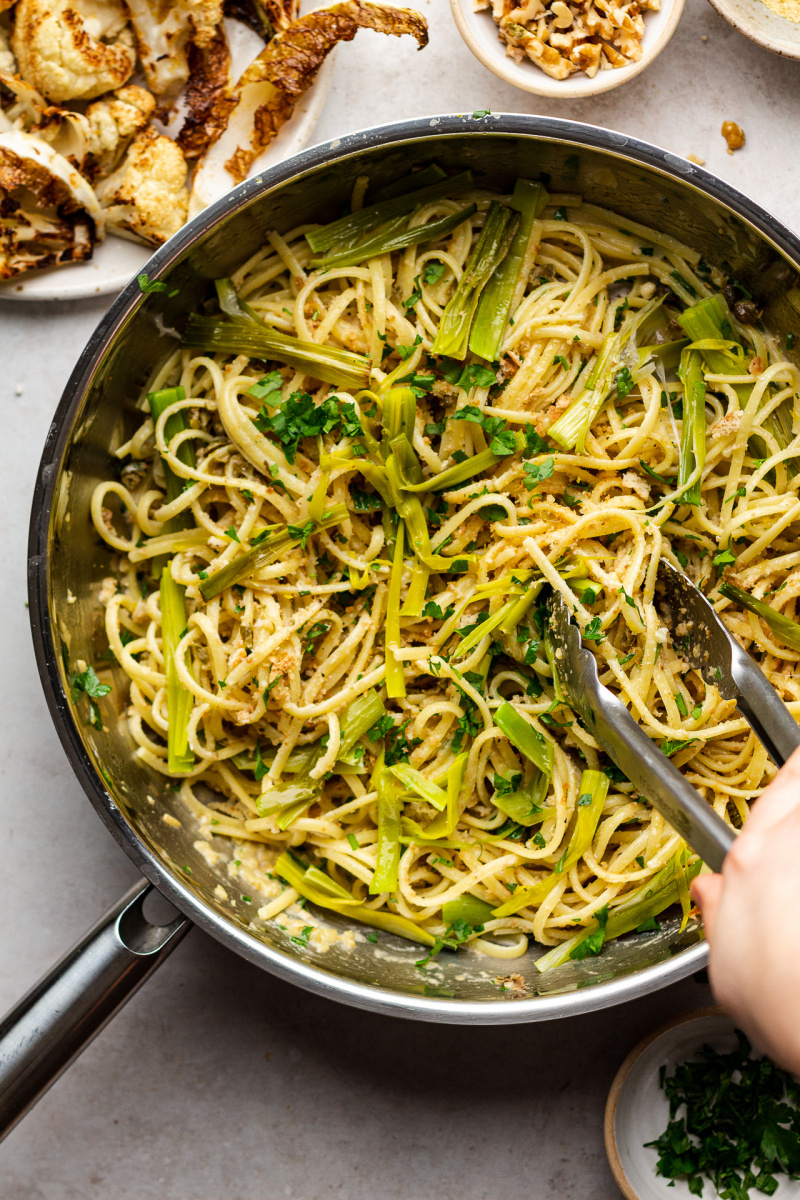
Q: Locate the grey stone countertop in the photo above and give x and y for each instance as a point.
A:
(217, 1080)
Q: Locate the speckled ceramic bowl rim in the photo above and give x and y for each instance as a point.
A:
(609, 1122)
(542, 85)
(754, 31)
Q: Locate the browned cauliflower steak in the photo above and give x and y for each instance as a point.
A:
(252, 111)
(146, 198)
(73, 49)
(49, 214)
(165, 30)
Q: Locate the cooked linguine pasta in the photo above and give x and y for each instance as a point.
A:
(330, 605)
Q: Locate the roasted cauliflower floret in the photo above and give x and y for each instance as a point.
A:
(7, 61)
(73, 49)
(21, 106)
(164, 31)
(146, 198)
(113, 122)
(48, 212)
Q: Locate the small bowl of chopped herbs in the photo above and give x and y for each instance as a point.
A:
(694, 1111)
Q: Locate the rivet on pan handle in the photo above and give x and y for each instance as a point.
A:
(69, 1006)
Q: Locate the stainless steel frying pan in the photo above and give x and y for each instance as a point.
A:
(51, 1025)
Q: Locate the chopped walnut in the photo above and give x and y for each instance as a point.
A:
(566, 36)
(733, 134)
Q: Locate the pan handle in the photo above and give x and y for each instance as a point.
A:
(68, 1007)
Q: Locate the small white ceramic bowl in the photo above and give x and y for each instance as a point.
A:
(637, 1111)
(480, 32)
(763, 26)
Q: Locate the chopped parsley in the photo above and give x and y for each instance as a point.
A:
(86, 683)
(303, 532)
(300, 417)
(434, 610)
(504, 787)
(734, 1121)
(415, 297)
(625, 382)
(433, 272)
(473, 375)
(593, 944)
(538, 472)
(148, 286)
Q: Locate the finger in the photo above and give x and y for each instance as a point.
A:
(706, 890)
(779, 800)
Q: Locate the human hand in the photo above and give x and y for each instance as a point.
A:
(751, 913)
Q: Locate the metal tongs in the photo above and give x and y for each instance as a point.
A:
(706, 644)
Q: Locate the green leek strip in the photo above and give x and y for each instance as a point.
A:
(291, 800)
(416, 835)
(399, 415)
(409, 468)
(452, 336)
(232, 306)
(444, 825)
(314, 877)
(550, 655)
(176, 423)
(342, 368)
(461, 472)
(693, 432)
(710, 324)
(646, 902)
(591, 798)
(395, 677)
(417, 179)
(277, 541)
(389, 239)
(666, 353)
(294, 875)
(416, 783)
(527, 740)
(682, 879)
(180, 701)
(417, 589)
(783, 627)
(572, 426)
(389, 806)
(494, 306)
(525, 805)
(409, 507)
(467, 908)
(359, 717)
(489, 625)
(526, 815)
(515, 610)
(343, 233)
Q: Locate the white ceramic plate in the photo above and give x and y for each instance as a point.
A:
(637, 1110)
(479, 31)
(115, 261)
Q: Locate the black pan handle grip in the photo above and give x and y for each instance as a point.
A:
(77, 998)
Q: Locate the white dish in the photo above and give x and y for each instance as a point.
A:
(637, 1110)
(115, 261)
(480, 32)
